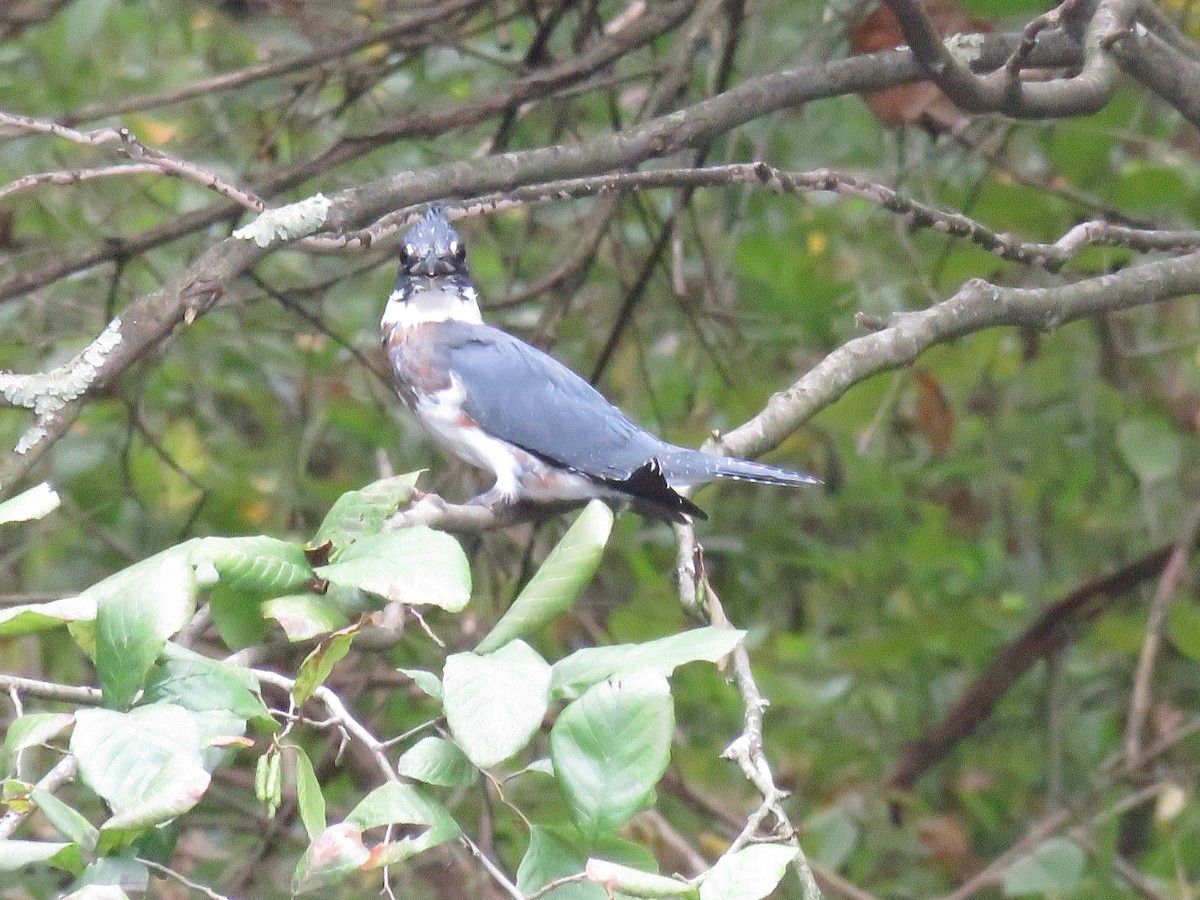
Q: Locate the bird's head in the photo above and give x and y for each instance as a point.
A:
(433, 284)
(432, 248)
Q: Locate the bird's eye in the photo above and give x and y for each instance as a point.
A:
(405, 254)
(458, 250)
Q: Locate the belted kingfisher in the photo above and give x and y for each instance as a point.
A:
(507, 407)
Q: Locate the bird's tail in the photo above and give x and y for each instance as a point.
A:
(689, 468)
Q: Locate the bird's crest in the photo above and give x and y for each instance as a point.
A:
(431, 238)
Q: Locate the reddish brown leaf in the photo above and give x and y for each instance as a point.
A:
(914, 104)
(948, 842)
(935, 418)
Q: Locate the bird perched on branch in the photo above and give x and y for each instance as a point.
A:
(506, 407)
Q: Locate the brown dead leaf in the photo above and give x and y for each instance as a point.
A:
(947, 840)
(922, 103)
(935, 418)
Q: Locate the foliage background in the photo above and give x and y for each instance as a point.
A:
(964, 494)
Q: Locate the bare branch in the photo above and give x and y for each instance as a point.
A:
(691, 127)
(1162, 25)
(135, 149)
(1050, 256)
(1160, 605)
(337, 709)
(71, 176)
(1048, 633)
(49, 690)
(747, 748)
(1167, 71)
(543, 83)
(1085, 93)
(168, 872)
(1036, 27)
(432, 511)
(976, 306)
(410, 32)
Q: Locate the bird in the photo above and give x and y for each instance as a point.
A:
(508, 408)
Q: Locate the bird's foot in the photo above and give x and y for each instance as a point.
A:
(494, 498)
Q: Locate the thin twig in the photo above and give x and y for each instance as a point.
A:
(555, 884)
(186, 882)
(1160, 605)
(133, 148)
(49, 690)
(1051, 256)
(747, 749)
(72, 176)
(498, 876)
(337, 709)
(394, 35)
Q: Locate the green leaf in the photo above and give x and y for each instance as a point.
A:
(836, 835)
(33, 730)
(1151, 447)
(557, 852)
(112, 872)
(200, 684)
(429, 683)
(70, 823)
(221, 697)
(320, 662)
(591, 665)
(610, 747)
(238, 617)
(495, 703)
(1054, 867)
(97, 892)
(309, 798)
(15, 855)
(34, 503)
(81, 23)
(402, 804)
(145, 763)
(172, 790)
(634, 882)
(334, 853)
(1183, 625)
(361, 513)
(559, 581)
(258, 566)
(749, 874)
(541, 766)
(397, 804)
(435, 760)
(304, 616)
(549, 858)
(32, 617)
(416, 566)
(135, 621)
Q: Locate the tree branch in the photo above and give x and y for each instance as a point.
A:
(1171, 74)
(1085, 93)
(1160, 605)
(1050, 632)
(976, 306)
(133, 148)
(639, 32)
(394, 36)
(1050, 256)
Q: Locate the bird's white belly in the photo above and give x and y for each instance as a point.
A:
(518, 473)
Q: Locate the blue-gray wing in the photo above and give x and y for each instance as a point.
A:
(521, 395)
